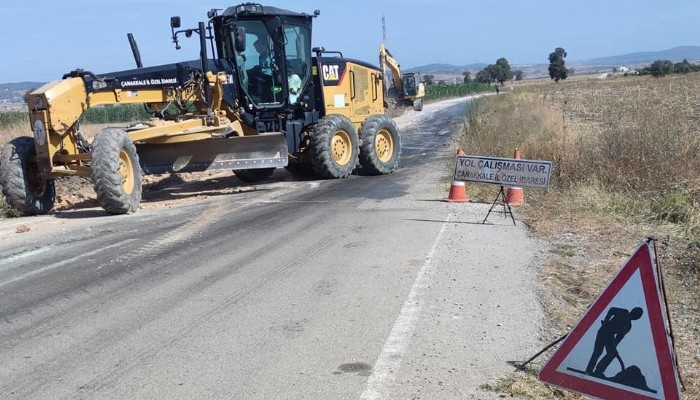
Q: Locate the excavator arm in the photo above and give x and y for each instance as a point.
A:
(387, 60)
(409, 90)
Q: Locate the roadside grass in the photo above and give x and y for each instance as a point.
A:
(625, 167)
(11, 130)
(524, 385)
(5, 210)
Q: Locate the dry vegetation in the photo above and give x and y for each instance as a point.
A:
(626, 166)
(10, 131)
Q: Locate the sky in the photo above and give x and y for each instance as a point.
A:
(44, 39)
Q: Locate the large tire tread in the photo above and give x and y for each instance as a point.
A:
(105, 172)
(16, 157)
(320, 152)
(371, 164)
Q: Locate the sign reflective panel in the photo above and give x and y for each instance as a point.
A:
(503, 171)
(620, 348)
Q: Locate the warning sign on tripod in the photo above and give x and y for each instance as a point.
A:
(513, 173)
(621, 347)
(503, 171)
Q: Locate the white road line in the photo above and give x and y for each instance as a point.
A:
(418, 148)
(389, 361)
(63, 262)
(26, 254)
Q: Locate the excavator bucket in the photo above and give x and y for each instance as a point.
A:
(245, 152)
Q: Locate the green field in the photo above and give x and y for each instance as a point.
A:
(443, 91)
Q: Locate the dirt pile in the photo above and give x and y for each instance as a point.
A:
(160, 190)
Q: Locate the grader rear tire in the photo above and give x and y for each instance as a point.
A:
(380, 152)
(116, 172)
(24, 190)
(333, 148)
(253, 175)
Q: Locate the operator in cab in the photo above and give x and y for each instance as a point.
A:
(260, 76)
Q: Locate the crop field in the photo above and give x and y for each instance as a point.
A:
(16, 123)
(626, 167)
(442, 91)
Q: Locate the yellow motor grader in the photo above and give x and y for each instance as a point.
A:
(264, 99)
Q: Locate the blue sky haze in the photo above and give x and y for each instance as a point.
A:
(43, 39)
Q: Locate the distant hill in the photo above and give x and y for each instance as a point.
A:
(14, 92)
(432, 68)
(20, 85)
(691, 53)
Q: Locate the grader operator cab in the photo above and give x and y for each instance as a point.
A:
(264, 99)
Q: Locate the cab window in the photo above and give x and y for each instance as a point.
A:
(297, 49)
(259, 73)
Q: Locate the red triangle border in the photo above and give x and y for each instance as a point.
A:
(640, 260)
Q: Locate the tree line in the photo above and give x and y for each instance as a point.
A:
(500, 72)
(661, 68)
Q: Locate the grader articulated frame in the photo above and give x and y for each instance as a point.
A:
(295, 106)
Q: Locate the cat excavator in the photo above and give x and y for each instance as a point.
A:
(407, 89)
(261, 98)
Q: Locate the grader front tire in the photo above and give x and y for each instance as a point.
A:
(380, 152)
(24, 190)
(333, 148)
(116, 172)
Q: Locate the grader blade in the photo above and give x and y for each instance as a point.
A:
(244, 152)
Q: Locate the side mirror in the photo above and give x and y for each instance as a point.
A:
(174, 22)
(239, 39)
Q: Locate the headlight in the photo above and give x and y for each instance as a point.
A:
(39, 132)
(98, 84)
(248, 8)
(38, 103)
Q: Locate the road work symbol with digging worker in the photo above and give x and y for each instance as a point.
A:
(621, 347)
(613, 329)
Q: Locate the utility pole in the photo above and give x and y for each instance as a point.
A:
(383, 30)
(381, 60)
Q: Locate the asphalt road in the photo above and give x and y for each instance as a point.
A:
(364, 288)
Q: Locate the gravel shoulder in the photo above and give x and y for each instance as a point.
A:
(474, 305)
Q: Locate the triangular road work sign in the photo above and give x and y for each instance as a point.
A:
(620, 348)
